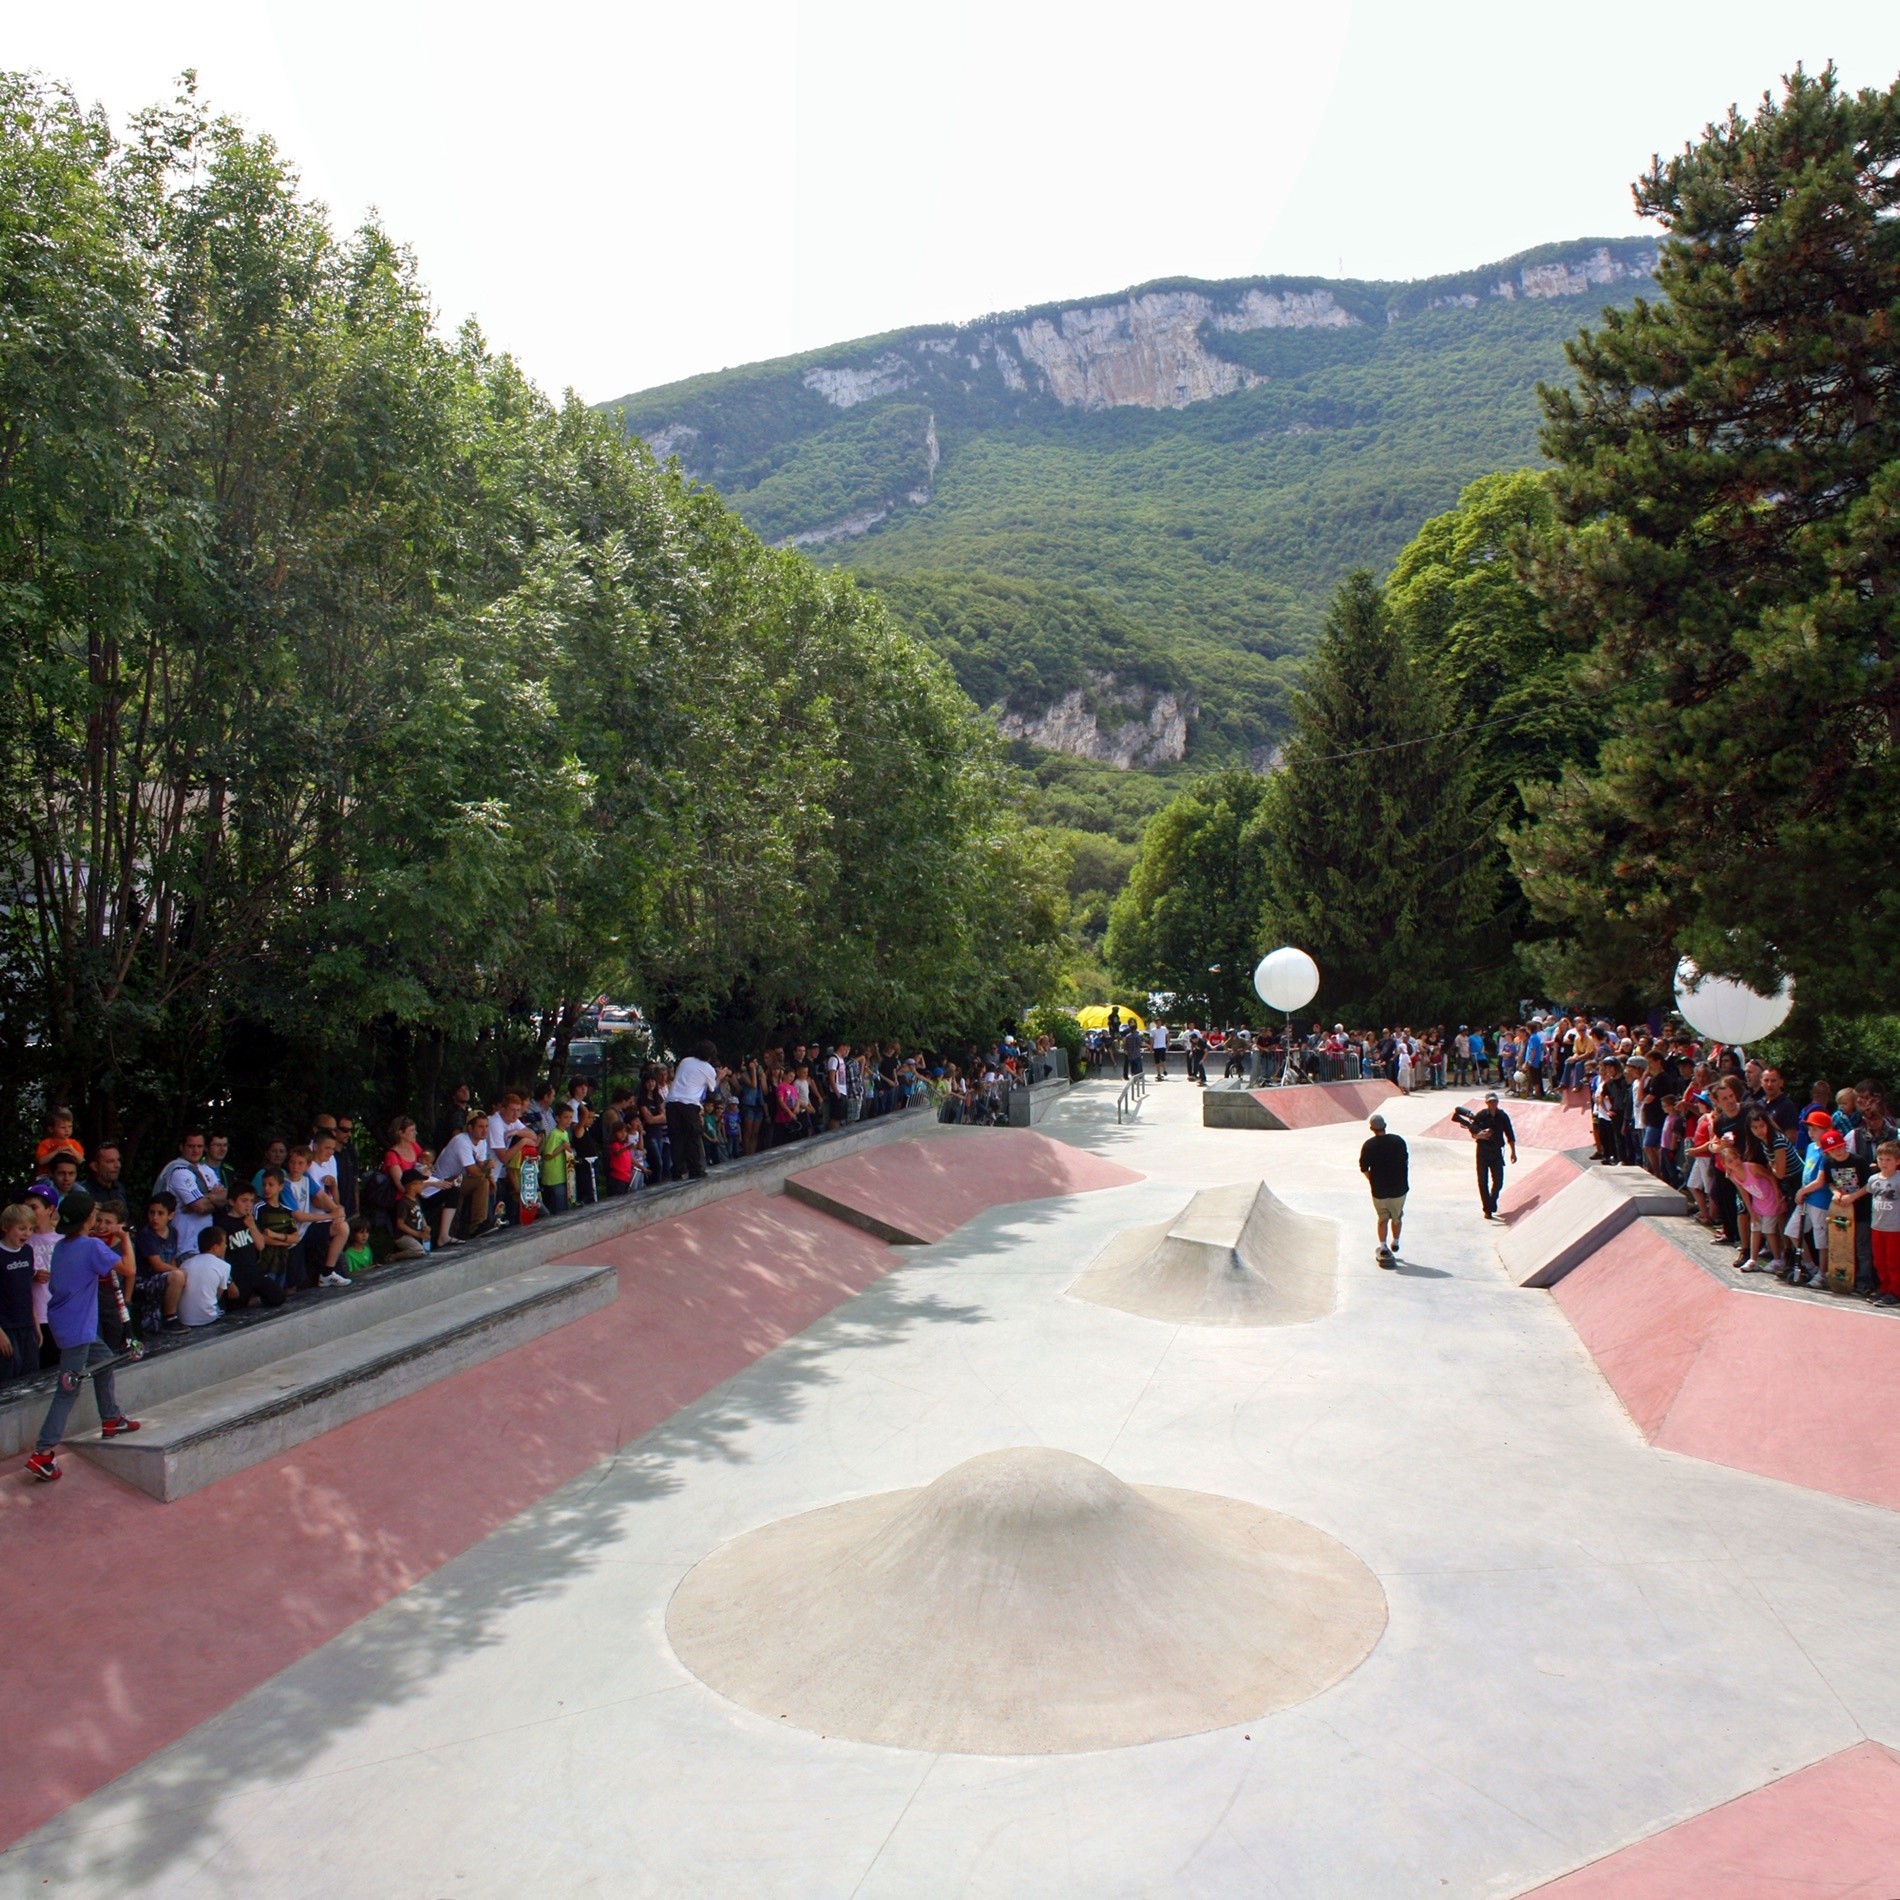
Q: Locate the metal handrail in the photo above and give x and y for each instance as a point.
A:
(1130, 1098)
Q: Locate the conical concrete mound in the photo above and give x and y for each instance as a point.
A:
(1234, 1256)
(1028, 1602)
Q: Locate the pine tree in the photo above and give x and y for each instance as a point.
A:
(1729, 485)
(1381, 853)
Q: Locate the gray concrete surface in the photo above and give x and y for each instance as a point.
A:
(1234, 1256)
(1540, 1249)
(192, 1441)
(1588, 1638)
(1027, 1602)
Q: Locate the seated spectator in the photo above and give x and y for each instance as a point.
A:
(359, 1256)
(159, 1283)
(464, 1160)
(278, 1232)
(411, 1238)
(208, 1288)
(104, 1180)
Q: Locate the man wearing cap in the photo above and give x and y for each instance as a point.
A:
(1387, 1167)
(1490, 1130)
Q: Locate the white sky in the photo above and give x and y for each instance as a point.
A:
(628, 194)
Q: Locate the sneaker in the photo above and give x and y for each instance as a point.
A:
(1886, 1299)
(1817, 1278)
(43, 1466)
(174, 1324)
(117, 1427)
(334, 1279)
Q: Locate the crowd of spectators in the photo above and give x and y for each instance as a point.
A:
(327, 1203)
(1778, 1179)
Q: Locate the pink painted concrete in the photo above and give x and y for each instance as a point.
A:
(1716, 1373)
(1538, 1124)
(1526, 1193)
(930, 1188)
(1829, 1832)
(1322, 1104)
(311, 1541)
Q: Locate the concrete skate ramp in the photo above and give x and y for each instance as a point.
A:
(1797, 1389)
(1026, 1603)
(1525, 1191)
(1827, 1832)
(914, 1192)
(1567, 1229)
(1234, 1256)
(1538, 1124)
(1305, 1105)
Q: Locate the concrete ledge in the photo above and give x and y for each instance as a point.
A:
(235, 1347)
(1029, 1105)
(193, 1441)
(1565, 1230)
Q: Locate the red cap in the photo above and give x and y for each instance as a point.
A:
(1818, 1118)
(1831, 1137)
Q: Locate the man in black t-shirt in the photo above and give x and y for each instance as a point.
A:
(1387, 1168)
(1490, 1131)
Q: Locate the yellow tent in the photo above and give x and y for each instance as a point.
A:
(1095, 1016)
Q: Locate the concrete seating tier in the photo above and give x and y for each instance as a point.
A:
(191, 1441)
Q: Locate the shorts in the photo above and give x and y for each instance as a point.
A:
(1812, 1221)
(1702, 1176)
(1389, 1206)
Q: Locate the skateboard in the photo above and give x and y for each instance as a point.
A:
(1385, 1257)
(1838, 1274)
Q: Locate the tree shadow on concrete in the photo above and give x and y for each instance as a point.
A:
(157, 1818)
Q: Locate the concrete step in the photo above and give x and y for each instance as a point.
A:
(189, 1442)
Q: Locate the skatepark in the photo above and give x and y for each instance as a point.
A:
(994, 1511)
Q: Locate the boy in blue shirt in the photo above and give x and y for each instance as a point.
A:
(80, 1263)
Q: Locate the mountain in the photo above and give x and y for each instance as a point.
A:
(1120, 518)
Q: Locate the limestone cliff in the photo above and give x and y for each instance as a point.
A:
(1145, 727)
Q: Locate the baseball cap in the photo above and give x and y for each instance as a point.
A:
(43, 1191)
(1818, 1118)
(76, 1209)
(1492, 1096)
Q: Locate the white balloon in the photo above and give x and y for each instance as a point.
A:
(1287, 979)
(1726, 1011)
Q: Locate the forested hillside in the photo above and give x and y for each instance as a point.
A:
(1148, 494)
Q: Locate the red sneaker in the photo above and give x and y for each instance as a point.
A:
(117, 1427)
(43, 1466)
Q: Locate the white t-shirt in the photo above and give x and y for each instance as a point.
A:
(501, 1131)
(206, 1276)
(322, 1176)
(834, 1074)
(692, 1082)
(458, 1155)
(190, 1181)
(1159, 1036)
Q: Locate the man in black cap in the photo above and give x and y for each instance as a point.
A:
(1490, 1130)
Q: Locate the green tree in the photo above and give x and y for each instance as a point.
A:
(1728, 488)
(1188, 920)
(1378, 841)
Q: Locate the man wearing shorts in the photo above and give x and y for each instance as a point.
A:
(1385, 1164)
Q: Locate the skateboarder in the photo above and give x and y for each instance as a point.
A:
(1490, 1130)
(1385, 1164)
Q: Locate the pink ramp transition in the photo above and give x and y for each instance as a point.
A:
(1537, 1124)
(1716, 1373)
(914, 1192)
(1526, 1193)
(1321, 1104)
(310, 1541)
(1830, 1832)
